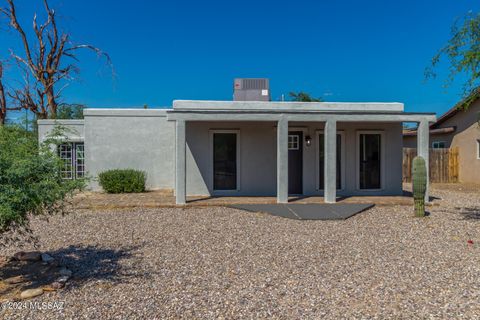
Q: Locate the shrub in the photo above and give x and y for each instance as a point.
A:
(122, 181)
(30, 179)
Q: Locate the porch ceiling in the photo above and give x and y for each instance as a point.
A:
(304, 116)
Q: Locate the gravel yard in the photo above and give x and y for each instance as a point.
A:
(216, 262)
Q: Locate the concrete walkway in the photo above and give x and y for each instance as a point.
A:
(318, 211)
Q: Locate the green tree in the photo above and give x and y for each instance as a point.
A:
(70, 111)
(30, 178)
(303, 97)
(462, 52)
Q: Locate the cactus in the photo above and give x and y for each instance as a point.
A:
(419, 180)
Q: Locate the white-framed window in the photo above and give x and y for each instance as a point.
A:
(438, 144)
(293, 142)
(65, 153)
(73, 158)
(225, 160)
(80, 160)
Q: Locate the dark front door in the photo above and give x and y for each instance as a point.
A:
(224, 161)
(295, 162)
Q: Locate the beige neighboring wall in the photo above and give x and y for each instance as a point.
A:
(469, 163)
(465, 138)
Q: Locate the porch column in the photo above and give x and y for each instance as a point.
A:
(180, 164)
(423, 137)
(330, 163)
(282, 161)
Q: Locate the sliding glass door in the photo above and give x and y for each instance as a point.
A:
(370, 161)
(225, 161)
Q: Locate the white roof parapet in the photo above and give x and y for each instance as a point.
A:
(62, 122)
(125, 112)
(288, 106)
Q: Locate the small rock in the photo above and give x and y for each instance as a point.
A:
(28, 256)
(15, 280)
(65, 272)
(62, 279)
(47, 258)
(30, 293)
(4, 261)
(57, 285)
(54, 286)
(48, 288)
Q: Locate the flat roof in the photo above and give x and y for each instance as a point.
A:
(61, 121)
(204, 110)
(124, 112)
(287, 106)
(273, 112)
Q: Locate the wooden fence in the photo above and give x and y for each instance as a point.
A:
(443, 164)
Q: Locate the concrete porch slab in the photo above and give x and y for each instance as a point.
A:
(320, 211)
(165, 199)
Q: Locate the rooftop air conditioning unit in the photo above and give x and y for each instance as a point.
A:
(253, 89)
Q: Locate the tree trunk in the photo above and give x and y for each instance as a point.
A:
(3, 102)
(42, 116)
(52, 104)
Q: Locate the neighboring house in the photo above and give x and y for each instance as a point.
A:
(250, 148)
(457, 128)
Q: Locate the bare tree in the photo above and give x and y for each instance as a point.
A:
(47, 62)
(3, 102)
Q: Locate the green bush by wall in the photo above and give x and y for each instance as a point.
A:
(31, 181)
(122, 181)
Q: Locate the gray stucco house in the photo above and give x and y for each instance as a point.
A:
(254, 148)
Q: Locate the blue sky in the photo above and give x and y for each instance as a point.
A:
(338, 50)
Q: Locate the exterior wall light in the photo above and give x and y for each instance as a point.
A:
(308, 141)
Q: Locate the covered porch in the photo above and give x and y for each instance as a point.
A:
(332, 120)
